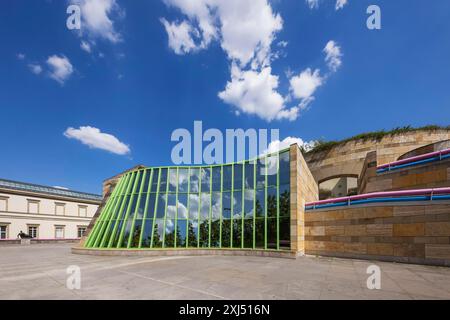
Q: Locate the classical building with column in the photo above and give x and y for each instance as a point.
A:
(44, 213)
(377, 196)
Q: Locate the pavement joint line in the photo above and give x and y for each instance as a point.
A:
(173, 284)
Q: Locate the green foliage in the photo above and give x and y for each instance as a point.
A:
(322, 145)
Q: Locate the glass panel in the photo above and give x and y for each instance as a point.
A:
(237, 230)
(272, 202)
(216, 205)
(193, 206)
(215, 234)
(284, 168)
(141, 208)
(163, 183)
(260, 203)
(204, 234)
(285, 204)
(115, 236)
(151, 206)
(205, 205)
(127, 231)
(148, 175)
(169, 237)
(248, 233)
(216, 178)
(237, 176)
(154, 187)
(226, 208)
(158, 233)
(261, 173)
(195, 180)
(206, 177)
(183, 177)
(171, 206)
(272, 170)
(137, 186)
(124, 209)
(173, 180)
(259, 233)
(285, 235)
(192, 233)
(249, 175)
(226, 233)
(147, 233)
(249, 196)
(182, 206)
(271, 233)
(181, 233)
(136, 234)
(227, 174)
(160, 212)
(237, 204)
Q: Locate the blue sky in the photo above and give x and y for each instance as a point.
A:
(149, 67)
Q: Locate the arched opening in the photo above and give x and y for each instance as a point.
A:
(338, 186)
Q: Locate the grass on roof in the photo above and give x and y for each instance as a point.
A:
(323, 145)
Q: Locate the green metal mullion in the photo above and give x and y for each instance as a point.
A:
(232, 206)
(176, 210)
(199, 204)
(115, 196)
(265, 203)
(124, 224)
(155, 210)
(144, 173)
(221, 206)
(165, 208)
(144, 219)
(130, 183)
(243, 205)
(187, 204)
(278, 201)
(254, 203)
(210, 204)
(115, 212)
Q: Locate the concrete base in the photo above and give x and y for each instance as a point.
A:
(25, 242)
(185, 252)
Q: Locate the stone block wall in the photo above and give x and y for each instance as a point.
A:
(413, 233)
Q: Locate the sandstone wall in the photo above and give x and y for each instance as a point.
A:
(348, 158)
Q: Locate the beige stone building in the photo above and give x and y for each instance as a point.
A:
(44, 213)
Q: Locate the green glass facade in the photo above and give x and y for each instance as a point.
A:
(237, 206)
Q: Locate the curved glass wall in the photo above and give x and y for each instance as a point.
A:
(244, 205)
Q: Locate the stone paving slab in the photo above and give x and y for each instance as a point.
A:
(39, 272)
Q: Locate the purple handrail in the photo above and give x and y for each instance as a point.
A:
(413, 159)
(416, 192)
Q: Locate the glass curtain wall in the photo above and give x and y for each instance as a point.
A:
(244, 205)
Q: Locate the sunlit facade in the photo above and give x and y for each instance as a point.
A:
(231, 206)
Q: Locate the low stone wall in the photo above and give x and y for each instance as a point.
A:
(37, 241)
(184, 252)
(412, 233)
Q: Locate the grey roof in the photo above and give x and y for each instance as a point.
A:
(9, 184)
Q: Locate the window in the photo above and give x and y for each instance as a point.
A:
(3, 204)
(60, 209)
(33, 206)
(81, 232)
(59, 232)
(82, 211)
(338, 187)
(33, 231)
(3, 232)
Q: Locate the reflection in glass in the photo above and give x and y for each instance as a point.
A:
(284, 168)
(216, 207)
(237, 233)
(193, 206)
(261, 173)
(215, 234)
(260, 204)
(226, 233)
(249, 197)
(285, 201)
(285, 239)
(181, 233)
(182, 206)
(151, 206)
(227, 177)
(147, 233)
(216, 178)
(195, 180)
(248, 233)
(146, 185)
(136, 234)
(171, 206)
(163, 182)
(226, 205)
(169, 236)
(204, 234)
(249, 175)
(158, 233)
(205, 206)
(173, 180)
(272, 170)
(237, 176)
(141, 208)
(271, 233)
(193, 234)
(154, 187)
(183, 177)
(237, 204)
(272, 202)
(259, 233)
(206, 179)
(160, 212)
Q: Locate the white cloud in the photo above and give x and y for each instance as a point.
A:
(313, 4)
(340, 4)
(277, 145)
(60, 68)
(254, 92)
(97, 18)
(96, 139)
(20, 56)
(35, 68)
(180, 36)
(86, 46)
(305, 84)
(333, 55)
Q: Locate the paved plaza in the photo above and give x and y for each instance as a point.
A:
(40, 272)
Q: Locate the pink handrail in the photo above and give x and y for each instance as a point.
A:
(416, 192)
(413, 159)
